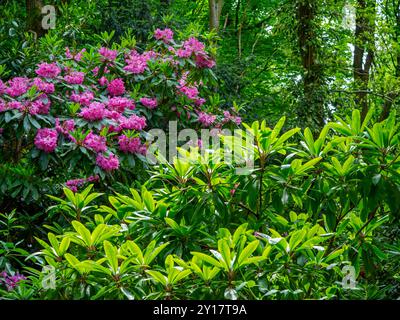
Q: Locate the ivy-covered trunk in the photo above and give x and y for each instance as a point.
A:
(34, 17)
(311, 110)
(215, 13)
(363, 51)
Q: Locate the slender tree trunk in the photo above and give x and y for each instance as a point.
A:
(363, 51)
(387, 106)
(215, 13)
(34, 16)
(311, 112)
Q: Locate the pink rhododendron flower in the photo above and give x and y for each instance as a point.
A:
(44, 86)
(2, 87)
(148, 55)
(46, 140)
(74, 184)
(114, 115)
(108, 54)
(195, 45)
(199, 101)
(228, 117)
(131, 145)
(17, 86)
(136, 63)
(150, 103)
(97, 69)
(206, 119)
(75, 77)
(48, 70)
(190, 46)
(66, 127)
(165, 35)
(238, 120)
(204, 61)
(10, 281)
(14, 105)
(3, 105)
(40, 106)
(134, 122)
(103, 81)
(95, 142)
(96, 111)
(119, 104)
(84, 98)
(76, 57)
(109, 163)
(116, 87)
(189, 91)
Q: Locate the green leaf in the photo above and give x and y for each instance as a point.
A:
(111, 254)
(158, 277)
(247, 252)
(296, 238)
(207, 259)
(83, 232)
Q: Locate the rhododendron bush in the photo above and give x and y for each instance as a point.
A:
(86, 111)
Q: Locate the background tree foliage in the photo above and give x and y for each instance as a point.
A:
(304, 59)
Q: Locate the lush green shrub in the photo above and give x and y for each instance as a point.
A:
(308, 208)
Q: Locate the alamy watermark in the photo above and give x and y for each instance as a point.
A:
(349, 278)
(49, 17)
(349, 17)
(49, 277)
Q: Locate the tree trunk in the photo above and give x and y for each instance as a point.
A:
(363, 51)
(311, 112)
(215, 13)
(34, 16)
(387, 106)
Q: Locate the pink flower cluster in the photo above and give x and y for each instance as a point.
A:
(109, 163)
(204, 61)
(165, 35)
(150, 103)
(206, 119)
(43, 86)
(95, 142)
(131, 145)
(75, 77)
(109, 96)
(2, 87)
(136, 62)
(119, 104)
(11, 281)
(83, 98)
(66, 127)
(134, 122)
(48, 70)
(195, 47)
(76, 56)
(191, 92)
(108, 54)
(228, 117)
(17, 86)
(46, 140)
(95, 112)
(190, 47)
(75, 184)
(39, 106)
(103, 81)
(116, 87)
